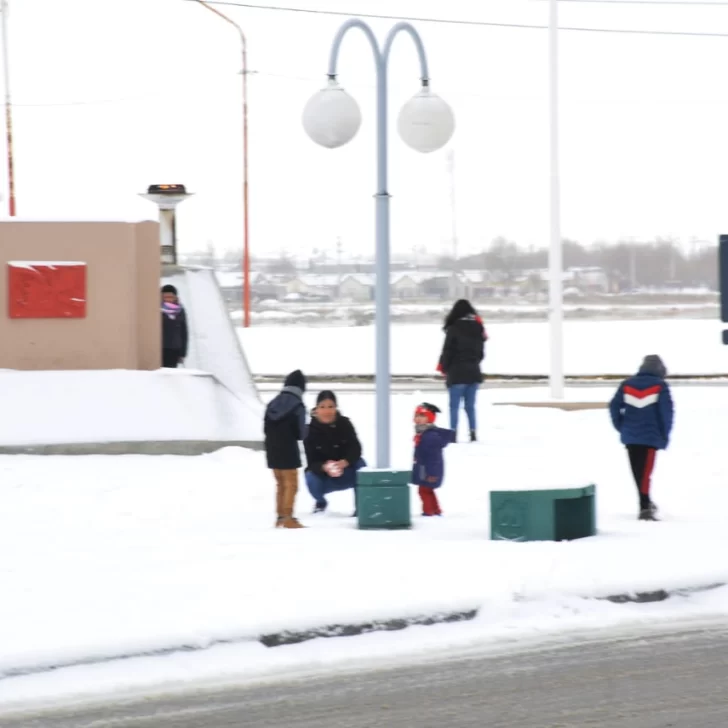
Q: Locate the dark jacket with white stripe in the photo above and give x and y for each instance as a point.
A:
(642, 410)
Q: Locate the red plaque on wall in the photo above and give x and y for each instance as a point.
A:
(46, 289)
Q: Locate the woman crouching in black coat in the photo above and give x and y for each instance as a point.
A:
(333, 451)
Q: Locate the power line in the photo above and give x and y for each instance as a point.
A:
(658, 3)
(453, 21)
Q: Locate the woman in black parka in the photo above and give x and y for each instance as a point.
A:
(333, 451)
(462, 353)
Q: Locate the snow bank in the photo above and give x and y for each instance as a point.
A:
(64, 407)
(103, 557)
(590, 347)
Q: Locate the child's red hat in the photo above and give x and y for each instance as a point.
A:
(428, 410)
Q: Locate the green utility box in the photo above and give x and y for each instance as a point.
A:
(383, 499)
(543, 515)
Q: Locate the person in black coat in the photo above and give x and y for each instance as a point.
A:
(174, 328)
(462, 353)
(283, 425)
(333, 451)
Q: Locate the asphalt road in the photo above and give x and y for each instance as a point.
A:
(667, 681)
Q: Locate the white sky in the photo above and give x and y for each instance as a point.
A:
(113, 95)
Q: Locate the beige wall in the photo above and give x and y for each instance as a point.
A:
(121, 329)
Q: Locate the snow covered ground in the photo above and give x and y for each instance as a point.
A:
(111, 406)
(102, 557)
(590, 347)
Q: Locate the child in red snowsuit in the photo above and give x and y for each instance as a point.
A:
(428, 470)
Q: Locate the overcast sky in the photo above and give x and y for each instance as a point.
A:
(112, 95)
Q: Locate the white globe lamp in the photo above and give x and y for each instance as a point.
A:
(426, 122)
(331, 117)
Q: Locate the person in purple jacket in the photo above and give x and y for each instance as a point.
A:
(428, 470)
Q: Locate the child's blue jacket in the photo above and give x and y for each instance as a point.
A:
(429, 465)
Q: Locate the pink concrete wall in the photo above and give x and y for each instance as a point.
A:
(122, 326)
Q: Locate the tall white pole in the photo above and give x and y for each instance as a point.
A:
(453, 226)
(556, 275)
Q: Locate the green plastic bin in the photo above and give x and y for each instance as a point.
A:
(543, 515)
(383, 499)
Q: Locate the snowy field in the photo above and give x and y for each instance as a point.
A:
(590, 348)
(105, 557)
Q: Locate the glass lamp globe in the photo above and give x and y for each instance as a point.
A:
(426, 123)
(331, 117)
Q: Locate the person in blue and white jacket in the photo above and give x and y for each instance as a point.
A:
(642, 412)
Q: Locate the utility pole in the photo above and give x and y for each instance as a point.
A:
(8, 110)
(556, 267)
(632, 265)
(339, 248)
(453, 224)
(246, 215)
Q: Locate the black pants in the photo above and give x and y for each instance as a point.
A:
(170, 358)
(642, 462)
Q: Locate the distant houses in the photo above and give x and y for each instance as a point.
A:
(405, 285)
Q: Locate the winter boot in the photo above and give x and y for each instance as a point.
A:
(289, 522)
(473, 436)
(289, 479)
(280, 491)
(649, 513)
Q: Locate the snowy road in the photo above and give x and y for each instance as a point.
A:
(677, 679)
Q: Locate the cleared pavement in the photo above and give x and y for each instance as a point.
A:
(667, 681)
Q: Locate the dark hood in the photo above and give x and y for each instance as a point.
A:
(470, 325)
(296, 379)
(653, 365)
(444, 436)
(283, 404)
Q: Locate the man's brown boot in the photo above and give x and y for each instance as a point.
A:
(280, 490)
(289, 522)
(290, 488)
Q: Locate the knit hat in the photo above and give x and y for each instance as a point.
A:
(653, 364)
(169, 288)
(428, 410)
(296, 379)
(326, 394)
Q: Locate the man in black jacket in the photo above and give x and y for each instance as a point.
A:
(174, 328)
(284, 425)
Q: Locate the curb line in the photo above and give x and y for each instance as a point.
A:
(392, 625)
(290, 637)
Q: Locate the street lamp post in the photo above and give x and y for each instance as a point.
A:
(425, 123)
(246, 235)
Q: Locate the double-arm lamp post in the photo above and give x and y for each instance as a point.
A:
(425, 123)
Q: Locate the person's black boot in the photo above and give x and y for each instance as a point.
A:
(473, 436)
(648, 513)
